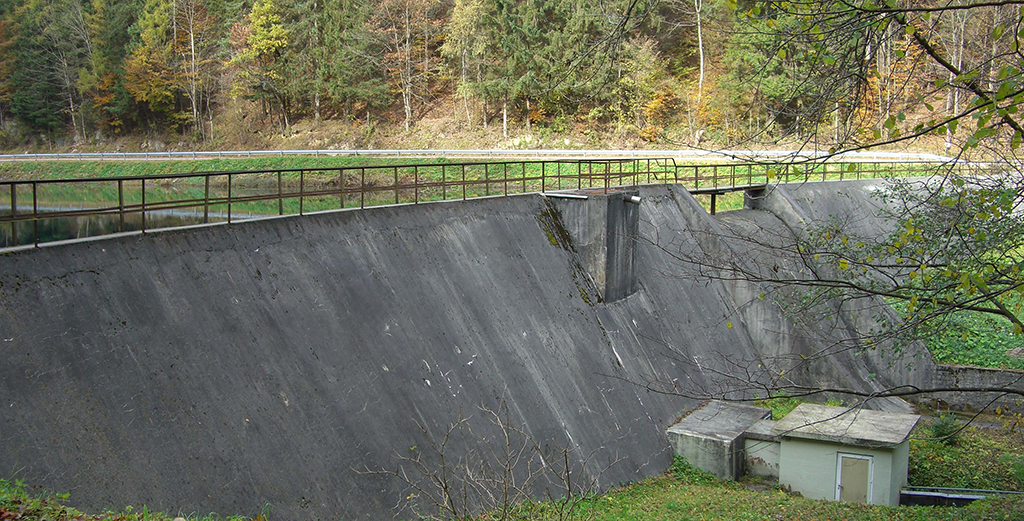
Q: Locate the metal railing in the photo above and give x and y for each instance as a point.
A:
(45, 210)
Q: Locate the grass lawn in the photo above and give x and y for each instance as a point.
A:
(682, 494)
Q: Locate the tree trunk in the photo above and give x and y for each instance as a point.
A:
(317, 68)
(528, 127)
(316, 107)
(698, 5)
(465, 93)
(407, 80)
(209, 116)
(504, 118)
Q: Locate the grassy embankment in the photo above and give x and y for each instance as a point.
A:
(683, 493)
(973, 338)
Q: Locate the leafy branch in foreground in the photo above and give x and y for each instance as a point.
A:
(958, 245)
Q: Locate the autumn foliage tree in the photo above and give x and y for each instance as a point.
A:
(258, 46)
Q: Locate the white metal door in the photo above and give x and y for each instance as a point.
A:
(854, 478)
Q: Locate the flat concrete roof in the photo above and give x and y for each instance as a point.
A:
(762, 430)
(860, 427)
(720, 420)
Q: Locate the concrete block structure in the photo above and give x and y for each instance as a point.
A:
(711, 437)
(822, 452)
(761, 450)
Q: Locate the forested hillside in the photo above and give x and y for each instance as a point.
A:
(215, 73)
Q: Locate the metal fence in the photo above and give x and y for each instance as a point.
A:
(45, 210)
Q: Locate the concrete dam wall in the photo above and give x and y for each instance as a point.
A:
(274, 362)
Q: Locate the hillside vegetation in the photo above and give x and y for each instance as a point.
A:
(229, 74)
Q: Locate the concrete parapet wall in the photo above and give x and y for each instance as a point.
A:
(967, 377)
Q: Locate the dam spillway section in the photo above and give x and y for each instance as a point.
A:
(294, 361)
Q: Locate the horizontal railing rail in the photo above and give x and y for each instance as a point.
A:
(45, 210)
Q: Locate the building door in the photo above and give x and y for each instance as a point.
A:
(853, 478)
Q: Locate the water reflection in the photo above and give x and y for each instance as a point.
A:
(64, 228)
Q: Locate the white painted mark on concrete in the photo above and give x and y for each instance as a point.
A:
(385, 368)
(617, 357)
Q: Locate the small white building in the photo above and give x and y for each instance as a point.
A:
(823, 452)
(845, 454)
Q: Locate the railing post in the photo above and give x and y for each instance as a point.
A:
(229, 198)
(206, 202)
(444, 183)
(341, 187)
(362, 188)
(120, 205)
(14, 213)
(302, 189)
(463, 182)
(35, 216)
(396, 185)
(487, 179)
(280, 195)
(543, 168)
(144, 205)
(415, 184)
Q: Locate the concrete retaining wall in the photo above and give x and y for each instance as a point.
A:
(965, 377)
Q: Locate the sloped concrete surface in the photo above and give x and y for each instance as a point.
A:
(227, 368)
